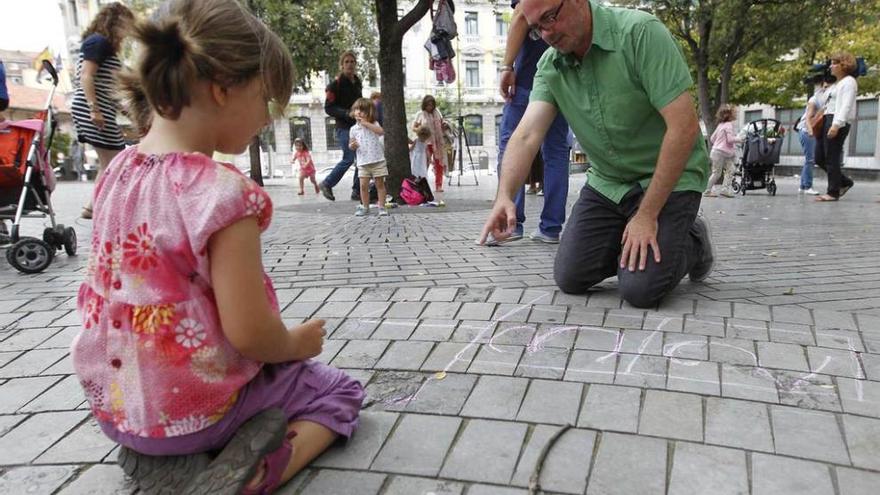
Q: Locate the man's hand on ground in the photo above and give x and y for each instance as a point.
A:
(639, 235)
(501, 222)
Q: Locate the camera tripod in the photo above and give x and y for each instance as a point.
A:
(463, 144)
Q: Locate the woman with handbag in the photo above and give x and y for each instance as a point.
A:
(840, 111)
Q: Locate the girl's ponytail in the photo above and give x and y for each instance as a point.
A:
(168, 66)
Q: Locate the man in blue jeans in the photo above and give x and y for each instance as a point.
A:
(516, 84)
(340, 94)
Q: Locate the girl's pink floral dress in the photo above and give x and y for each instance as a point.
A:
(151, 355)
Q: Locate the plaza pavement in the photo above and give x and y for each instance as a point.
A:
(765, 379)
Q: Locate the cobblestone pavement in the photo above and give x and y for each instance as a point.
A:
(765, 379)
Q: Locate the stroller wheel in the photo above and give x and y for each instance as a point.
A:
(70, 241)
(30, 255)
(771, 188)
(50, 237)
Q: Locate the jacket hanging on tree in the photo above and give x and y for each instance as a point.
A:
(439, 44)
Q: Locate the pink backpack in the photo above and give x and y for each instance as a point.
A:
(410, 194)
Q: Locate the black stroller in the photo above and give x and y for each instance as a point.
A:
(761, 149)
(26, 184)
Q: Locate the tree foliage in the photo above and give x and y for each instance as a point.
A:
(317, 31)
(758, 51)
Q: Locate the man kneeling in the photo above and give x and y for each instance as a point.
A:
(621, 82)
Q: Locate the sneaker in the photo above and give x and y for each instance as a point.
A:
(531, 190)
(161, 474)
(326, 191)
(810, 191)
(703, 267)
(383, 212)
(492, 241)
(355, 196)
(727, 194)
(237, 463)
(360, 211)
(441, 203)
(540, 192)
(537, 235)
(709, 194)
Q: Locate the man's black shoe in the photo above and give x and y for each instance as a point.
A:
(355, 196)
(326, 191)
(703, 267)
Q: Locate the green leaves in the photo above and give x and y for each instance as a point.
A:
(317, 31)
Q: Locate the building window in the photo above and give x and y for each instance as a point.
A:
(791, 144)
(301, 127)
(501, 26)
(267, 138)
(472, 73)
(863, 134)
(470, 24)
(498, 130)
(473, 127)
(74, 15)
(753, 115)
(330, 124)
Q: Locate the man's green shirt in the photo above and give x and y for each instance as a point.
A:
(611, 99)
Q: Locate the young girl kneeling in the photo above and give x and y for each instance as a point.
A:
(183, 351)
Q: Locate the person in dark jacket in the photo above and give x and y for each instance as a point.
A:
(339, 96)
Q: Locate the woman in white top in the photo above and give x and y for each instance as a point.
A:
(840, 110)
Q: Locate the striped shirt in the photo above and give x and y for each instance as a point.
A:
(97, 48)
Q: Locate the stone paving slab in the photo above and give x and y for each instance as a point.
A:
(765, 379)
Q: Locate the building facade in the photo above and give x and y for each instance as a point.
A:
(482, 34)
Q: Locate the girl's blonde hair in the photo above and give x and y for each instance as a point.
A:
(203, 40)
(302, 142)
(725, 113)
(423, 133)
(365, 105)
(108, 22)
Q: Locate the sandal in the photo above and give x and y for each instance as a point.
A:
(86, 213)
(235, 466)
(300, 193)
(826, 197)
(273, 466)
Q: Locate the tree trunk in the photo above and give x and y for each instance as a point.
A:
(391, 81)
(391, 31)
(256, 166)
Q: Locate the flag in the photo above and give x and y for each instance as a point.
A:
(43, 55)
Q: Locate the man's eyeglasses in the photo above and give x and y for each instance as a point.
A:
(545, 22)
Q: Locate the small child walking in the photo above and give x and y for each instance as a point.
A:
(364, 138)
(183, 351)
(306, 165)
(419, 152)
(722, 154)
